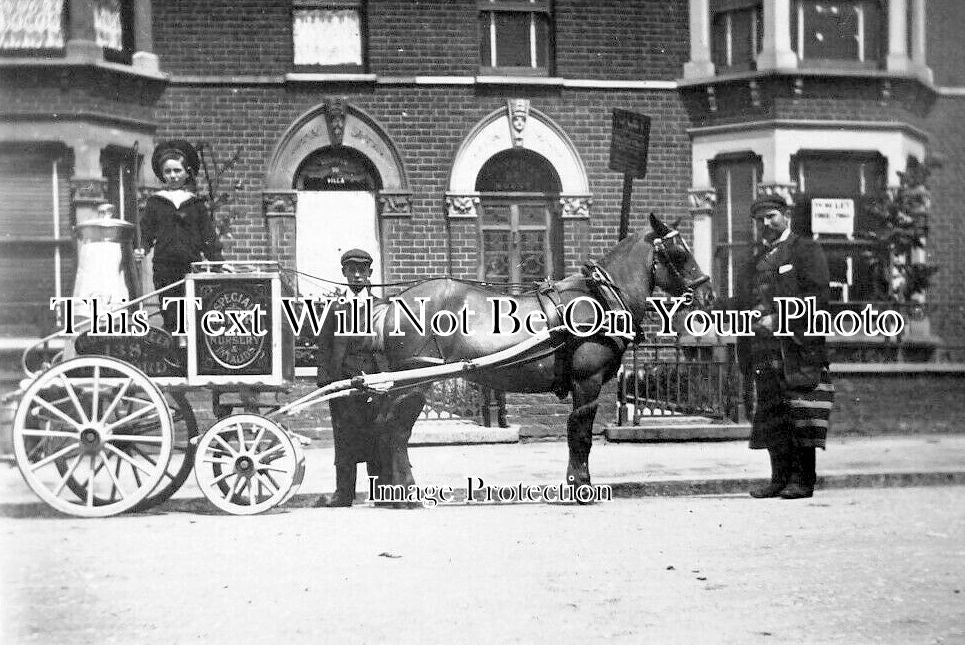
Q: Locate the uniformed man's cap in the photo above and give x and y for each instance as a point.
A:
(767, 203)
(356, 255)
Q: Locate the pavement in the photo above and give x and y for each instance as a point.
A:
(630, 469)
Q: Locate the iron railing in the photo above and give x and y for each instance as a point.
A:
(670, 379)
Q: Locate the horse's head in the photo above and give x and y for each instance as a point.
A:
(675, 269)
(661, 258)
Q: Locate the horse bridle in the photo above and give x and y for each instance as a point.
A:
(661, 257)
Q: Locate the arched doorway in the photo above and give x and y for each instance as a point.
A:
(520, 233)
(336, 211)
(333, 176)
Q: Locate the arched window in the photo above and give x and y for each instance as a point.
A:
(519, 224)
(339, 168)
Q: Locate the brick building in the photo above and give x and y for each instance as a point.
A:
(471, 137)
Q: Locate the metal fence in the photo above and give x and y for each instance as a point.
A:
(666, 380)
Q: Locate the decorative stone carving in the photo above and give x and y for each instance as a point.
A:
(702, 200)
(279, 204)
(335, 119)
(517, 112)
(798, 89)
(462, 206)
(395, 204)
(711, 98)
(88, 191)
(576, 206)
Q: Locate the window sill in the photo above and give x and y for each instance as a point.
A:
(543, 81)
(329, 77)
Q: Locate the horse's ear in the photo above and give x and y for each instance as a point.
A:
(658, 227)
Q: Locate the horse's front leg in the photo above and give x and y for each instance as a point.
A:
(579, 428)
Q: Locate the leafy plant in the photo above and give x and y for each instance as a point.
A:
(899, 222)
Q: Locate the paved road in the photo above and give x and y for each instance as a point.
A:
(850, 566)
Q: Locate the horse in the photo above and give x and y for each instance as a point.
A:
(574, 364)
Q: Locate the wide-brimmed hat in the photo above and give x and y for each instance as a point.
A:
(766, 203)
(175, 146)
(356, 255)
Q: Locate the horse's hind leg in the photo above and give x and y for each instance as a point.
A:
(579, 429)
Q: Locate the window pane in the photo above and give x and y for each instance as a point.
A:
(735, 182)
(32, 24)
(496, 256)
(108, 26)
(512, 39)
(327, 37)
(832, 177)
(496, 214)
(532, 256)
(542, 39)
(718, 41)
(831, 30)
(532, 215)
(485, 33)
(742, 37)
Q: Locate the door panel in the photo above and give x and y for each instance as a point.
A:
(328, 223)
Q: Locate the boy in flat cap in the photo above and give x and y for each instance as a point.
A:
(790, 375)
(368, 427)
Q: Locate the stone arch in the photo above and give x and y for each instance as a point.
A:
(517, 126)
(333, 123)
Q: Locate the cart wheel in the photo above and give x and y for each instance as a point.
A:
(246, 464)
(92, 436)
(182, 452)
(185, 428)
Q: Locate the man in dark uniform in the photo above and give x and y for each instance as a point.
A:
(793, 387)
(369, 427)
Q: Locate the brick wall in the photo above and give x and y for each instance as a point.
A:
(946, 247)
(618, 39)
(427, 125)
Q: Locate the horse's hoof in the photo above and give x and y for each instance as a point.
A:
(578, 481)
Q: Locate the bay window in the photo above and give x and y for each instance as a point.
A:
(839, 31)
(736, 33)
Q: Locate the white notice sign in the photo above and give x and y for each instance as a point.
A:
(834, 216)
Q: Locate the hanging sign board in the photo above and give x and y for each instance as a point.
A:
(630, 142)
(832, 216)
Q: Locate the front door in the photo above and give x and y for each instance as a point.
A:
(328, 223)
(516, 242)
(336, 212)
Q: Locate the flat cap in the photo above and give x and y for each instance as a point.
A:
(356, 255)
(766, 203)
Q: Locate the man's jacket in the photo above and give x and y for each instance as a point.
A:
(795, 267)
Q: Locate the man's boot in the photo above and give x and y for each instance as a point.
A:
(344, 489)
(803, 475)
(780, 473)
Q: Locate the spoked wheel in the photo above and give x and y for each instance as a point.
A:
(185, 428)
(92, 436)
(247, 464)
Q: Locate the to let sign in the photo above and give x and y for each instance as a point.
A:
(631, 140)
(832, 216)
